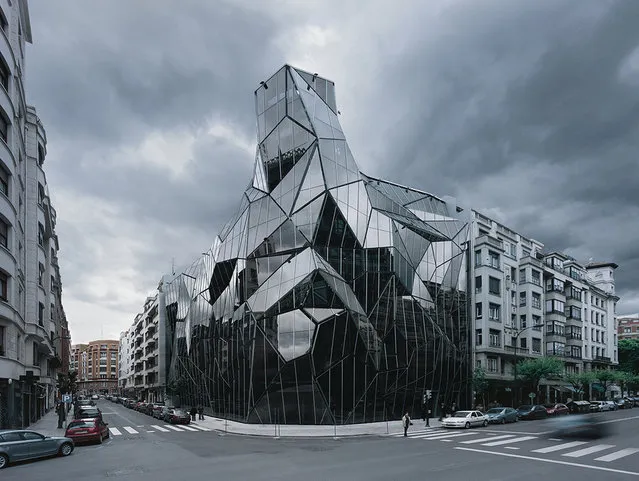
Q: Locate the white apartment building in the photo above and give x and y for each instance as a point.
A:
(125, 365)
(527, 303)
(34, 337)
(141, 370)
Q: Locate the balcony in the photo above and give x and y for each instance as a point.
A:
(517, 350)
(532, 260)
(601, 359)
(491, 241)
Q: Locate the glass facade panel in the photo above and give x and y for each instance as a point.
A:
(330, 297)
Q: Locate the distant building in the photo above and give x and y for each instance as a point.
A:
(529, 303)
(628, 326)
(97, 364)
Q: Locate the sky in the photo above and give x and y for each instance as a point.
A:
(525, 111)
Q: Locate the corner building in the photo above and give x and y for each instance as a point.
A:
(34, 335)
(330, 296)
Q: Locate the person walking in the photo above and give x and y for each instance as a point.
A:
(406, 422)
(442, 411)
(193, 413)
(200, 412)
(61, 410)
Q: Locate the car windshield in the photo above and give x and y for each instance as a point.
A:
(81, 424)
(179, 412)
(461, 414)
(495, 411)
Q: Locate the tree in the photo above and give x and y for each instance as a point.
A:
(623, 379)
(480, 383)
(628, 350)
(580, 381)
(605, 378)
(534, 370)
(67, 382)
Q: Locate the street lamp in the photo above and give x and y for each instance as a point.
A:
(515, 347)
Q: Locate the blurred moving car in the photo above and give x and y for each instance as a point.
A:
(87, 430)
(532, 411)
(465, 419)
(177, 416)
(558, 409)
(20, 445)
(579, 426)
(502, 415)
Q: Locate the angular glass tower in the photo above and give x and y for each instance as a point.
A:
(329, 296)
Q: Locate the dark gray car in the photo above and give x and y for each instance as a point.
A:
(20, 445)
(502, 415)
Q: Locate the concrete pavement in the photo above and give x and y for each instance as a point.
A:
(152, 455)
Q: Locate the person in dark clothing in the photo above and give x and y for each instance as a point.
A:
(61, 410)
(442, 411)
(406, 422)
(200, 412)
(193, 413)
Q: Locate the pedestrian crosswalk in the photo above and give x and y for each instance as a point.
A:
(164, 428)
(601, 453)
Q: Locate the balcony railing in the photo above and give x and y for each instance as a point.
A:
(517, 350)
(601, 359)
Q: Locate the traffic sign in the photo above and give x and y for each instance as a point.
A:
(66, 398)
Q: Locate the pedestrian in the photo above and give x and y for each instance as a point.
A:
(406, 422)
(200, 411)
(453, 409)
(61, 410)
(193, 413)
(442, 411)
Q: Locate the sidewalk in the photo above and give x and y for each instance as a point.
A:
(311, 431)
(48, 424)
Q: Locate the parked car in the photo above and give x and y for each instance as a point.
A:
(88, 412)
(532, 411)
(156, 410)
(612, 406)
(20, 445)
(623, 403)
(465, 419)
(502, 415)
(87, 430)
(177, 416)
(558, 409)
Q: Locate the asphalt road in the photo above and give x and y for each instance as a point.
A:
(496, 453)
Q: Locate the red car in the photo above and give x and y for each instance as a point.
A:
(556, 409)
(87, 430)
(177, 416)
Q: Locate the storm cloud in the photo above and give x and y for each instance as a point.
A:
(527, 111)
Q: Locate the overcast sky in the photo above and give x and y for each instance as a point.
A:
(527, 111)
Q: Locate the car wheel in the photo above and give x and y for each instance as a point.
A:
(66, 449)
(467, 426)
(485, 423)
(503, 420)
(4, 461)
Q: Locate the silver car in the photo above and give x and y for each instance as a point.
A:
(20, 445)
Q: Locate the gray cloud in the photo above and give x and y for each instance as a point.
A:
(527, 109)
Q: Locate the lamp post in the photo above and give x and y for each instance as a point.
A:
(515, 347)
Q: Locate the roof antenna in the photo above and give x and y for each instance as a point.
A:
(172, 266)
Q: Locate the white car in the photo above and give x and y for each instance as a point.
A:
(465, 419)
(95, 396)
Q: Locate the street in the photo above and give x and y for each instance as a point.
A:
(519, 451)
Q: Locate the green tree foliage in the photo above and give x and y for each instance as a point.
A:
(534, 370)
(605, 377)
(580, 382)
(67, 382)
(628, 350)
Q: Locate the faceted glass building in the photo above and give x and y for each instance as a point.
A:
(330, 296)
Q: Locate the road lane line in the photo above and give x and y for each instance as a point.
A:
(551, 461)
(130, 430)
(188, 428)
(174, 428)
(483, 440)
(559, 447)
(160, 428)
(439, 435)
(511, 447)
(199, 427)
(617, 455)
(508, 441)
(115, 431)
(590, 450)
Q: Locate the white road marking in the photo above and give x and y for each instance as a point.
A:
(130, 430)
(160, 428)
(115, 431)
(508, 441)
(188, 428)
(617, 455)
(554, 439)
(150, 431)
(199, 427)
(511, 447)
(559, 447)
(483, 440)
(447, 436)
(551, 461)
(590, 450)
(174, 428)
(437, 435)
